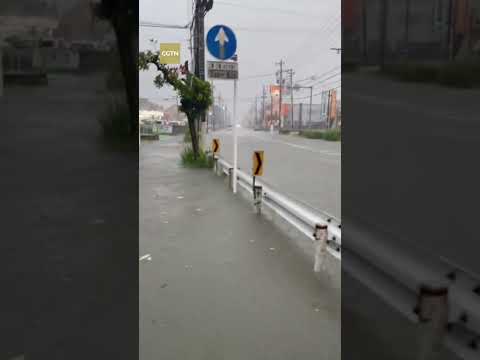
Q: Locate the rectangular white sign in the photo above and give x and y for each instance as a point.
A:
(226, 70)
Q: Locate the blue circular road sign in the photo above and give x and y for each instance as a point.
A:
(221, 42)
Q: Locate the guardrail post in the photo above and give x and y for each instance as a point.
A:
(215, 165)
(432, 311)
(321, 237)
(257, 198)
(230, 177)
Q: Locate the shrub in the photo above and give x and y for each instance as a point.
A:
(115, 120)
(202, 161)
(332, 135)
(349, 66)
(459, 75)
(187, 138)
(413, 72)
(328, 135)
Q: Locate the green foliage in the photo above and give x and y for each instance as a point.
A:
(413, 72)
(349, 66)
(115, 120)
(202, 161)
(459, 75)
(187, 138)
(328, 135)
(195, 94)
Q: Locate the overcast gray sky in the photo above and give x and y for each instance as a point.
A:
(300, 32)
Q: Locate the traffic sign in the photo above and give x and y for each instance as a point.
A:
(215, 145)
(221, 42)
(257, 169)
(222, 70)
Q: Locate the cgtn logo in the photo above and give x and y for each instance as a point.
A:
(170, 54)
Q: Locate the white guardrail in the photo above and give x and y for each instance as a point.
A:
(305, 220)
(428, 290)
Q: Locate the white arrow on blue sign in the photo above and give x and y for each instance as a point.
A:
(221, 42)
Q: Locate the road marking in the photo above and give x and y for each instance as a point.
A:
(409, 107)
(20, 357)
(146, 257)
(302, 147)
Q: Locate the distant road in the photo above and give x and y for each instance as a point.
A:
(307, 170)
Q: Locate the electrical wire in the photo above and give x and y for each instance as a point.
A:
(269, 9)
(256, 76)
(309, 78)
(323, 80)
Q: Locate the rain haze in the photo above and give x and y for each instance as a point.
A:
(302, 34)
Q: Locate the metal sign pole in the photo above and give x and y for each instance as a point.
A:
(235, 140)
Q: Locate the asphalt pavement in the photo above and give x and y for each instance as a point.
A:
(407, 171)
(69, 214)
(307, 170)
(411, 149)
(216, 280)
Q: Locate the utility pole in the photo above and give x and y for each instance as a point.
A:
(451, 29)
(290, 73)
(263, 106)
(311, 100)
(310, 108)
(300, 116)
(407, 22)
(364, 30)
(383, 32)
(328, 109)
(201, 8)
(280, 94)
(256, 113)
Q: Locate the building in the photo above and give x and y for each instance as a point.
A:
(22, 24)
(377, 31)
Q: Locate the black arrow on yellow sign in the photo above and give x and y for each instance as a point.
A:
(215, 145)
(257, 163)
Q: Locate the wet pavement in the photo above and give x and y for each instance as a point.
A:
(216, 280)
(307, 170)
(70, 222)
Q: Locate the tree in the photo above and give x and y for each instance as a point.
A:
(123, 16)
(195, 94)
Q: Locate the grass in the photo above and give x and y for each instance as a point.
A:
(328, 135)
(203, 161)
(115, 120)
(457, 75)
(187, 138)
(349, 66)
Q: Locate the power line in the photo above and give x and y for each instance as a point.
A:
(327, 28)
(323, 80)
(256, 76)
(269, 9)
(319, 76)
(275, 30)
(317, 94)
(163, 26)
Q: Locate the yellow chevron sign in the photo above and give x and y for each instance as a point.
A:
(215, 145)
(257, 169)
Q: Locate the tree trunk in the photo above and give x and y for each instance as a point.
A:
(127, 44)
(193, 136)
